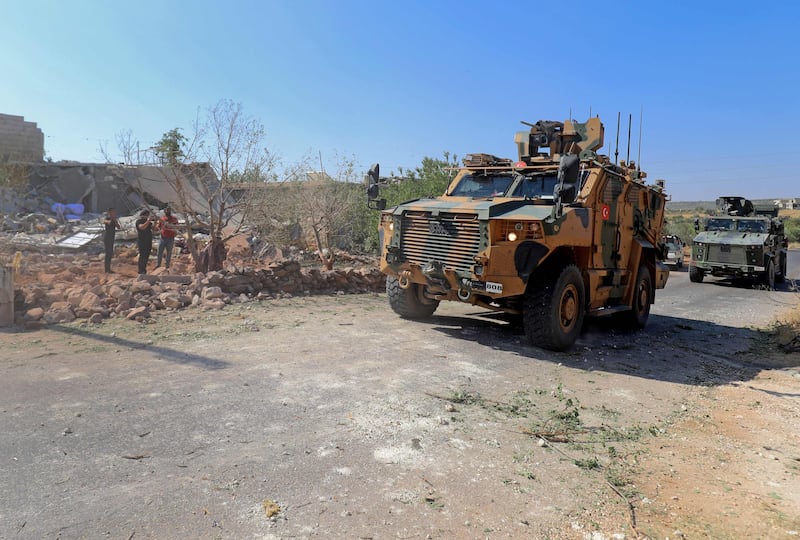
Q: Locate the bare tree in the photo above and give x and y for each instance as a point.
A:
(127, 146)
(324, 204)
(235, 157)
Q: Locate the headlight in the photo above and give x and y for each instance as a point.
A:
(512, 237)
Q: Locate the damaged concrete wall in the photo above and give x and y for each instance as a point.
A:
(99, 186)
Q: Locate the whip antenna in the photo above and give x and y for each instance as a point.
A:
(616, 149)
(628, 155)
(639, 154)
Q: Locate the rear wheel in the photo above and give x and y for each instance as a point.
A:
(554, 309)
(695, 274)
(637, 317)
(409, 303)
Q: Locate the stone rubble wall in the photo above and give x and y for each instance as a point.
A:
(67, 293)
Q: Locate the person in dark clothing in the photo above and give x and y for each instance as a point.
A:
(144, 238)
(111, 225)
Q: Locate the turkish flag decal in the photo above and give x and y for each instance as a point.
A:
(605, 212)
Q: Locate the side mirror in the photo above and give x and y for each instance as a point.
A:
(696, 225)
(374, 174)
(372, 179)
(566, 189)
(373, 190)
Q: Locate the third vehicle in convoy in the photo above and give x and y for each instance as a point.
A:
(741, 240)
(559, 234)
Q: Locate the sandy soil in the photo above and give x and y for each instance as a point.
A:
(331, 417)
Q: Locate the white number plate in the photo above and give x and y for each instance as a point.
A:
(492, 287)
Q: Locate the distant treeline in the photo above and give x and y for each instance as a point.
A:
(705, 206)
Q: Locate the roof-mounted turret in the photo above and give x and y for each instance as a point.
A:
(735, 206)
(559, 138)
(739, 206)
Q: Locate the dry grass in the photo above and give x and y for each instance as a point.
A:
(787, 332)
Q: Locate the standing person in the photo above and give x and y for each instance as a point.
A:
(168, 226)
(111, 225)
(144, 238)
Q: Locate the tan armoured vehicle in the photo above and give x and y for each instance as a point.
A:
(560, 234)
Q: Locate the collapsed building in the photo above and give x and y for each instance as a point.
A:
(98, 186)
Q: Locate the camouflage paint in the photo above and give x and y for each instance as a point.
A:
(472, 233)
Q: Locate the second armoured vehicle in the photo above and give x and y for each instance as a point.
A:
(556, 235)
(741, 240)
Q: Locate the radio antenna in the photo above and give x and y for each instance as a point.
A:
(616, 149)
(639, 154)
(628, 155)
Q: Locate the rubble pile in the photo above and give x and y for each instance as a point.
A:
(66, 287)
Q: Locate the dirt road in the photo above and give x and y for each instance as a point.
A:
(330, 417)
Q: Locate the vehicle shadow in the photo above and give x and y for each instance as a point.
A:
(165, 353)
(669, 349)
(746, 283)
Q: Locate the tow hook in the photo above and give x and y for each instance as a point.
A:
(464, 291)
(403, 280)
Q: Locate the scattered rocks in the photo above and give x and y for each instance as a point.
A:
(66, 290)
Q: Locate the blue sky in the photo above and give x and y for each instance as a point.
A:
(396, 81)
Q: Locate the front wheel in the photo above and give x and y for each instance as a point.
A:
(769, 275)
(554, 309)
(781, 277)
(409, 303)
(637, 317)
(695, 274)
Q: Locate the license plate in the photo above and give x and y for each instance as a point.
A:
(488, 286)
(494, 287)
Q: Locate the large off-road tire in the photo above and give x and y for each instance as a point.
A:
(409, 303)
(769, 275)
(554, 308)
(695, 274)
(781, 276)
(636, 318)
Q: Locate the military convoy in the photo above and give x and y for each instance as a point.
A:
(741, 240)
(560, 234)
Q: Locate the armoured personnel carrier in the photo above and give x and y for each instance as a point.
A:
(741, 240)
(557, 235)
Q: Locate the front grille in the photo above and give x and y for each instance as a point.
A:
(726, 254)
(451, 238)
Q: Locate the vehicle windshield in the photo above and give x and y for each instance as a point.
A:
(536, 186)
(752, 226)
(719, 224)
(483, 185)
(509, 184)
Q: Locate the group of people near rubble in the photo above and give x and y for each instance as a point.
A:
(146, 224)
